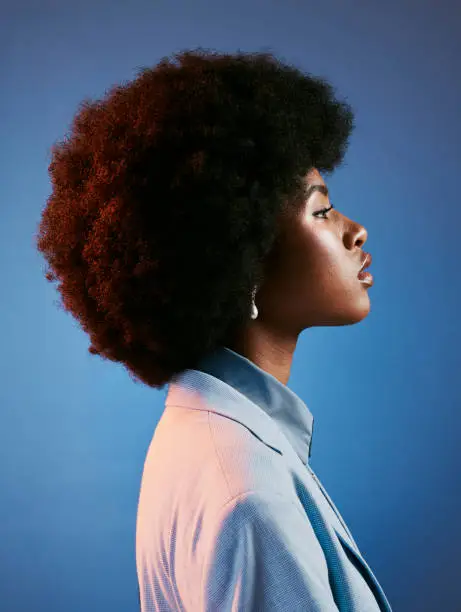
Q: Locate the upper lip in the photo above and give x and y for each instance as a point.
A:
(366, 261)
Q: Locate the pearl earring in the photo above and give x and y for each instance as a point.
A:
(254, 310)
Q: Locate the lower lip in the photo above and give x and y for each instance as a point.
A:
(366, 278)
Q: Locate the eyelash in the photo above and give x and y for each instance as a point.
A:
(324, 210)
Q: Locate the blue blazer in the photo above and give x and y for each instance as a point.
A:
(231, 517)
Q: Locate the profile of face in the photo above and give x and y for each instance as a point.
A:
(311, 276)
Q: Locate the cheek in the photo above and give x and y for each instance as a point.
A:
(323, 254)
(327, 275)
(311, 262)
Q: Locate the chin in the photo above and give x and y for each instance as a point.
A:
(360, 312)
(349, 315)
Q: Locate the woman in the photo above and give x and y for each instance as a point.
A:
(193, 238)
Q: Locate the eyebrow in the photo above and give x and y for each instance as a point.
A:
(322, 188)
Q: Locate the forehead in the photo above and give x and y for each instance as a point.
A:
(313, 177)
(313, 182)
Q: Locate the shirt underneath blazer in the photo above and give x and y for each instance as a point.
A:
(231, 517)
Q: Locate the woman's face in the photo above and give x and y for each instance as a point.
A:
(311, 276)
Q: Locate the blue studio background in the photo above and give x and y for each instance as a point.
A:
(385, 393)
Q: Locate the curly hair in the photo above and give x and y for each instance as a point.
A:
(166, 198)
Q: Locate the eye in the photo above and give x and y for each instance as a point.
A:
(323, 211)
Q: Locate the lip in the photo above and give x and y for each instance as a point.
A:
(366, 278)
(366, 263)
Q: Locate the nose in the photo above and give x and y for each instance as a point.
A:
(361, 236)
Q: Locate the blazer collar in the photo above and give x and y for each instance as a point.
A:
(267, 407)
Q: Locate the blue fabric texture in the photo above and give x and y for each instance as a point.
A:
(231, 516)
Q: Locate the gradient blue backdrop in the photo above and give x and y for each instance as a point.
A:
(385, 393)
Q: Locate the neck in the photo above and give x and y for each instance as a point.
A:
(269, 351)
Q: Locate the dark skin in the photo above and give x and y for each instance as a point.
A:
(310, 280)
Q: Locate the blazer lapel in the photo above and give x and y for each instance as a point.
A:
(362, 566)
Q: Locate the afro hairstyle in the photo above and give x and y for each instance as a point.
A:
(166, 198)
